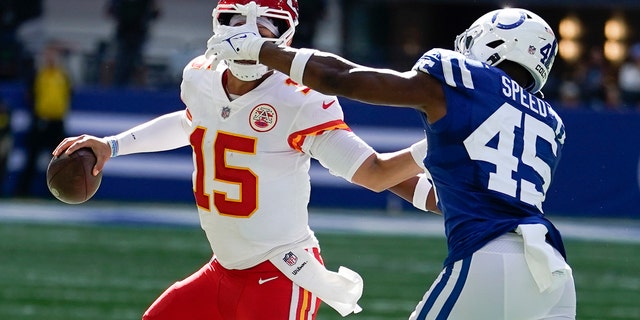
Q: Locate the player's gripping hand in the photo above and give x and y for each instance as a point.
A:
(100, 148)
(237, 43)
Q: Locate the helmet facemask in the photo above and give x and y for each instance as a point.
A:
(274, 15)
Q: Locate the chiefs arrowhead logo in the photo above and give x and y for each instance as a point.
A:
(263, 117)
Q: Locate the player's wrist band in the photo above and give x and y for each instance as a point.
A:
(299, 63)
(421, 192)
(113, 143)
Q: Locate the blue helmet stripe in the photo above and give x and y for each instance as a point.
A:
(516, 24)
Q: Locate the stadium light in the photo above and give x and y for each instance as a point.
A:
(570, 31)
(615, 51)
(570, 50)
(570, 27)
(616, 31)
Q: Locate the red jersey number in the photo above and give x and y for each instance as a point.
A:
(242, 177)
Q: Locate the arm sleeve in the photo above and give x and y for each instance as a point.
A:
(419, 152)
(167, 132)
(340, 151)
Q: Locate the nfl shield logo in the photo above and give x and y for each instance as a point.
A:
(532, 50)
(225, 112)
(290, 258)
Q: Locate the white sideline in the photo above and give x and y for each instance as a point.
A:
(321, 220)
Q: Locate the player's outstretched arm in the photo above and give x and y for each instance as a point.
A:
(167, 132)
(401, 172)
(348, 156)
(334, 75)
(381, 171)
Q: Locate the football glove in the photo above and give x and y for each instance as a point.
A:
(237, 43)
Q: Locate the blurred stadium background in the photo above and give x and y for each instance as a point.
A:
(108, 259)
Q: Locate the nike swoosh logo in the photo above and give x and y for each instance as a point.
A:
(261, 281)
(327, 105)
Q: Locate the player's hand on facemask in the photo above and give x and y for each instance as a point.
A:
(237, 43)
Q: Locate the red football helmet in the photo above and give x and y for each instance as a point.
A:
(284, 14)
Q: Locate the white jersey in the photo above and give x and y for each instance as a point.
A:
(250, 178)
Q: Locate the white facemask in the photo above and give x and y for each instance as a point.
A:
(247, 72)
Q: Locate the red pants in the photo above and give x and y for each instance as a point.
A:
(215, 293)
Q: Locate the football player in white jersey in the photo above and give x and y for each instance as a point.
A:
(253, 132)
(494, 144)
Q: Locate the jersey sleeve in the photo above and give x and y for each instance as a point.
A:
(340, 151)
(318, 114)
(450, 68)
(190, 74)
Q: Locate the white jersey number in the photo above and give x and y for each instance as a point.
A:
(243, 177)
(503, 123)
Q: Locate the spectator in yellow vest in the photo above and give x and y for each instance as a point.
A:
(50, 98)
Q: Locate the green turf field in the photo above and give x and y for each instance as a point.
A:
(72, 272)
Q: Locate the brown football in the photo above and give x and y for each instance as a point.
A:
(69, 177)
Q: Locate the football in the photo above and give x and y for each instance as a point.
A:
(69, 177)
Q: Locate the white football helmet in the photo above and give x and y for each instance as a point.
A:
(283, 14)
(512, 34)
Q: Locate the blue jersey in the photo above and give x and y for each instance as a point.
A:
(492, 156)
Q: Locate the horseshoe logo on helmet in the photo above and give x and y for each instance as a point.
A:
(513, 25)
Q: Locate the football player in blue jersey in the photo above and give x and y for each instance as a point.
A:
(493, 146)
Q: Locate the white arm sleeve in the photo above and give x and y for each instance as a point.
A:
(167, 132)
(419, 152)
(340, 151)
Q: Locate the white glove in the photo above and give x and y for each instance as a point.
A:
(237, 43)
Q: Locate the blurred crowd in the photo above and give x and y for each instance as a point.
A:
(42, 67)
(117, 61)
(594, 83)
